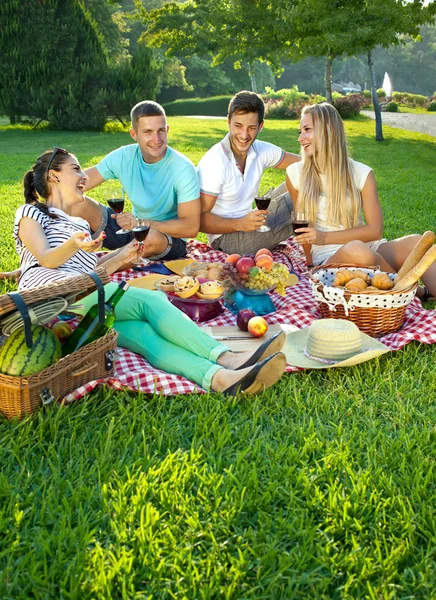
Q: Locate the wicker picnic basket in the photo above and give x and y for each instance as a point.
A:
(21, 396)
(375, 314)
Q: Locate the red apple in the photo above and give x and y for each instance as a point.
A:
(243, 317)
(257, 326)
(263, 251)
(244, 264)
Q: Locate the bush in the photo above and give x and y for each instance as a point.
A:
(211, 107)
(432, 106)
(316, 99)
(410, 99)
(275, 109)
(381, 93)
(391, 107)
(367, 94)
(350, 105)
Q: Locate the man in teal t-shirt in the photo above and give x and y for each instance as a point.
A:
(161, 183)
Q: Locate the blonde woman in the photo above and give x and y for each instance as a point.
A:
(339, 198)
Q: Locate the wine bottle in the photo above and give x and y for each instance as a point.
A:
(89, 328)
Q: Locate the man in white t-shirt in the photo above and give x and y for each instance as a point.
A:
(230, 174)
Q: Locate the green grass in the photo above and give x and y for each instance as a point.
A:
(322, 487)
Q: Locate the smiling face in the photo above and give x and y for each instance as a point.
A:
(151, 134)
(306, 137)
(244, 128)
(69, 179)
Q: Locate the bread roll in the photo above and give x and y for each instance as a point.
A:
(382, 281)
(356, 285)
(421, 247)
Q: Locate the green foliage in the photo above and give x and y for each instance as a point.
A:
(54, 68)
(350, 105)
(131, 81)
(391, 107)
(381, 93)
(431, 106)
(216, 106)
(412, 100)
(367, 94)
(316, 99)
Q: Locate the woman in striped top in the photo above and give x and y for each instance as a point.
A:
(53, 245)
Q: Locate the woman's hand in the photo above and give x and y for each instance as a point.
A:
(310, 235)
(83, 241)
(127, 254)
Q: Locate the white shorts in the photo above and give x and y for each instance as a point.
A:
(322, 253)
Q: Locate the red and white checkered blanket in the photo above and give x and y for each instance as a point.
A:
(298, 308)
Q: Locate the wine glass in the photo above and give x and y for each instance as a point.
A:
(301, 219)
(140, 233)
(115, 198)
(262, 203)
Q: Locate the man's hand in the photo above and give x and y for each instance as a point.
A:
(125, 220)
(252, 220)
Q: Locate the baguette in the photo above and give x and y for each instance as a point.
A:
(421, 247)
(414, 275)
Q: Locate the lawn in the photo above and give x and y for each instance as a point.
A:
(323, 487)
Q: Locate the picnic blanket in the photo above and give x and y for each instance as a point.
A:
(297, 307)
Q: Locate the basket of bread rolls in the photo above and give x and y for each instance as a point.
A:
(374, 300)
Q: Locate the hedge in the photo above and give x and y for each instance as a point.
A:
(212, 107)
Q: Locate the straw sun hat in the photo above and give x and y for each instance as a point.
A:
(330, 343)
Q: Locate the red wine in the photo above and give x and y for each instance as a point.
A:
(141, 233)
(262, 203)
(298, 224)
(116, 204)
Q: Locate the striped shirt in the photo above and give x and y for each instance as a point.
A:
(57, 232)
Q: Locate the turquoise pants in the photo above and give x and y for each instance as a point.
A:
(148, 324)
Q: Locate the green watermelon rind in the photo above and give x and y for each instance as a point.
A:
(17, 360)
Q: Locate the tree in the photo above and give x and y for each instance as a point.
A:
(52, 63)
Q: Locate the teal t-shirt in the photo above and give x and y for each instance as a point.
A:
(154, 189)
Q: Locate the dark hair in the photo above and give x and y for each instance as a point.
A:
(146, 108)
(246, 102)
(35, 181)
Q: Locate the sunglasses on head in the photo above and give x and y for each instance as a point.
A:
(53, 154)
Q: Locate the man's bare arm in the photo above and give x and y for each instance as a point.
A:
(94, 178)
(288, 159)
(186, 225)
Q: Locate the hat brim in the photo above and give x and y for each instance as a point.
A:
(296, 343)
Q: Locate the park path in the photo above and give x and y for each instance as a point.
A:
(410, 122)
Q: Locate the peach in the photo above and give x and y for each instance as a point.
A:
(263, 251)
(257, 326)
(265, 261)
(233, 258)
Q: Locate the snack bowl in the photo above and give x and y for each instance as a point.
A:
(197, 309)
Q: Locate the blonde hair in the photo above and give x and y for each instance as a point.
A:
(329, 158)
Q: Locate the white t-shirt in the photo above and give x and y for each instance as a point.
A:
(360, 175)
(235, 191)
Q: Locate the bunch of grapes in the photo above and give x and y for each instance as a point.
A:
(259, 278)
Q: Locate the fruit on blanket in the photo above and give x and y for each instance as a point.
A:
(263, 251)
(233, 258)
(244, 264)
(257, 326)
(20, 361)
(243, 317)
(62, 329)
(265, 261)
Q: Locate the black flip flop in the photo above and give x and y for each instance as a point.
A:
(272, 345)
